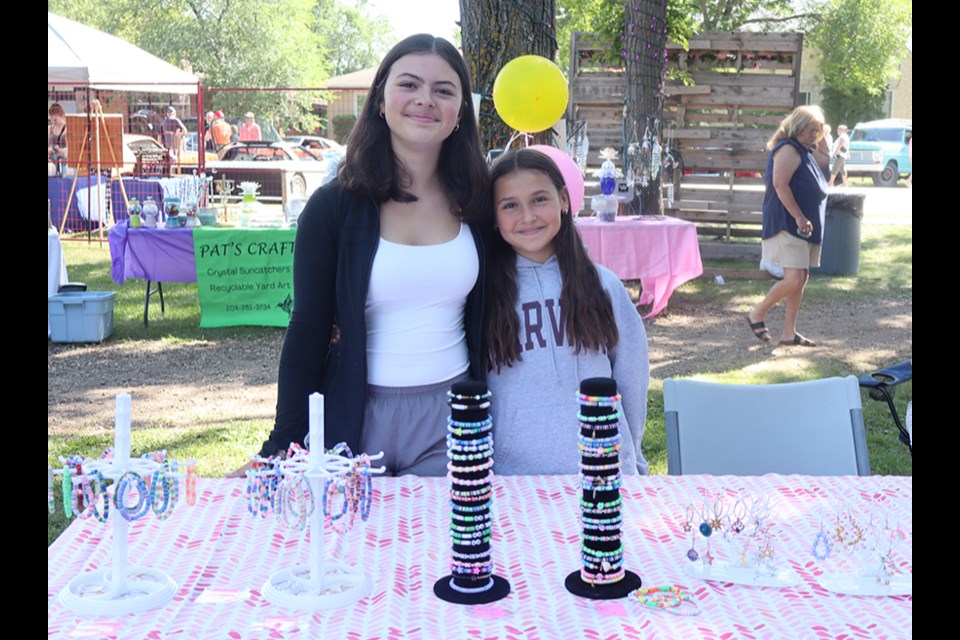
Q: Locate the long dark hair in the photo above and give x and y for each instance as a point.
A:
(371, 167)
(587, 310)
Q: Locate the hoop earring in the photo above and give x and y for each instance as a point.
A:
(382, 116)
(457, 128)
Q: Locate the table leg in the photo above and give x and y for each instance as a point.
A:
(146, 301)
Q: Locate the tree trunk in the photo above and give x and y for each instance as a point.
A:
(645, 40)
(493, 33)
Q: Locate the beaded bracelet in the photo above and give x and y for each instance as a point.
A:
(470, 509)
(598, 401)
(602, 565)
(190, 484)
(667, 598)
(51, 505)
(469, 428)
(597, 483)
(481, 495)
(470, 483)
(481, 518)
(613, 560)
(299, 488)
(482, 532)
(470, 527)
(97, 486)
(468, 407)
(482, 396)
(456, 456)
(592, 538)
(474, 469)
(477, 444)
(602, 554)
(595, 420)
(330, 489)
(601, 524)
(600, 467)
(595, 506)
(602, 578)
(470, 556)
(143, 503)
(599, 452)
(366, 492)
(587, 441)
(160, 479)
(456, 587)
(66, 488)
(471, 542)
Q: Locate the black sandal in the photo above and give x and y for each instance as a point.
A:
(800, 341)
(759, 330)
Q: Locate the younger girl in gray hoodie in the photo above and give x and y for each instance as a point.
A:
(553, 318)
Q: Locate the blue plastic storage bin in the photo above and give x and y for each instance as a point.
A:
(81, 316)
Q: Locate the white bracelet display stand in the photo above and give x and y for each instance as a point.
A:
(119, 588)
(321, 585)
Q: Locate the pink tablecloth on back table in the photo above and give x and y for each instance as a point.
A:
(220, 557)
(661, 252)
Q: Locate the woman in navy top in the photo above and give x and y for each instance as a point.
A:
(794, 207)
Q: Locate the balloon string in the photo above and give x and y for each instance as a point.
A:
(517, 135)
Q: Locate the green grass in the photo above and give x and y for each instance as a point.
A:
(885, 273)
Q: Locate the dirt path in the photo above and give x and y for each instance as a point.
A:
(232, 379)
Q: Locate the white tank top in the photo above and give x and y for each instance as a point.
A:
(415, 303)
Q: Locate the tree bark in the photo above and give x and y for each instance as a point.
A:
(493, 33)
(645, 40)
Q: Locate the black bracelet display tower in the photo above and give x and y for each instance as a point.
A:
(470, 449)
(602, 576)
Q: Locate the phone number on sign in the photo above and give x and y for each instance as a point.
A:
(248, 307)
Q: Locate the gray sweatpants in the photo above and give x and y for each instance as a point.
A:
(409, 425)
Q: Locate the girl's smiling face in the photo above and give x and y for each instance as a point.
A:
(528, 209)
(422, 97)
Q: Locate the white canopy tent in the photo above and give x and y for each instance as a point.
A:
(80, 55)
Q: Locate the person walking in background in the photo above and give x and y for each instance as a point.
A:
(208, 132)
(220, 131)
(823, 151)
(392, 252)
(56, 140)
(554, 318)
(172, 130)
(249, 130)
(794, 210)
(839, 155)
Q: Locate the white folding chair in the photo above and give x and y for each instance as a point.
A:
(807, 428)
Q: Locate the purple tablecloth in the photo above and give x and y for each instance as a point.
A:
(158, 255)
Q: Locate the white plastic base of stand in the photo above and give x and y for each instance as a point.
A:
(852, 585)
(342, 585)
(94, 593)
(747, 575)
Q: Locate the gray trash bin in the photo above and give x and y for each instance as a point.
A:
(840, 250)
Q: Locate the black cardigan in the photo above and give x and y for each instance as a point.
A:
(337, 238)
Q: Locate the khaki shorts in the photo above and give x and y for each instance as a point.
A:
(790, 252)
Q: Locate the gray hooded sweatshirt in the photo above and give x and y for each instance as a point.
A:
(534, 402)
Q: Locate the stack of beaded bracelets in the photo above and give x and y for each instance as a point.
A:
(669, 598)
(470, 471)
(599, 441)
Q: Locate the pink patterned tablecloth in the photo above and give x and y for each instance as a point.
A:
(220, 557)
(661, 252)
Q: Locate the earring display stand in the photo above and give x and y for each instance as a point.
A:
(470, 449)
(602, 576)
(321, 584)
(120, 588)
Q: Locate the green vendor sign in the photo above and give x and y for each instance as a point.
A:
(244, 276)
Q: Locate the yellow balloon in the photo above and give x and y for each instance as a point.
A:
(530, 93)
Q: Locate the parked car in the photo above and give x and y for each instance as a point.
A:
(879, 149)
(319, 145)
(135, 145)
(284, 170)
